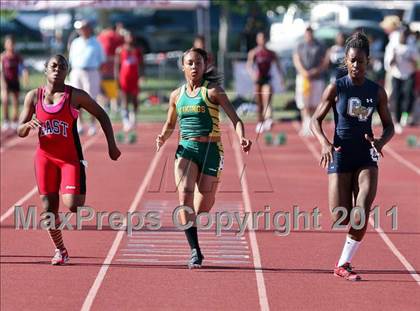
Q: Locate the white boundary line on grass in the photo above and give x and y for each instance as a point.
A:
(87, 304)
(262, 292)
(379, 230)
(34, 190)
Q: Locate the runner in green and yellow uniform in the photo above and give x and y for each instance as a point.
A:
(199, 157)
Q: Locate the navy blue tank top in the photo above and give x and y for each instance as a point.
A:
(353, 111)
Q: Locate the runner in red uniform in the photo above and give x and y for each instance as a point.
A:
(11, 66)
(59, 164)
(262, 59)
(128, 67)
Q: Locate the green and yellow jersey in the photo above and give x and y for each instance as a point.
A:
(197, 115)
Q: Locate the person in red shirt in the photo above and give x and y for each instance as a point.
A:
(260, 60)
(11, 65)
(59, 165)
(129, 69)
(110, 40)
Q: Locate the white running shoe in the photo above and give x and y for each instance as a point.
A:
(132, 117)
(61, 257)
(126, 125)
(268, 123)
(398, 128)
(404, 119)
(259, 128)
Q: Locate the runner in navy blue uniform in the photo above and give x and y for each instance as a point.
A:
(352, 158)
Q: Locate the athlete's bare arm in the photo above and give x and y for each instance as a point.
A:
(299, 66)
(278, 64)
(170, 122)
(387, 124)
(81, 99)
(328, 100)
(218, 96)
(325, 62)
(26, 120)
(250, 65)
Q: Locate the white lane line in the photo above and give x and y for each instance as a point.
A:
(182, 251)
(154, 241)
(34, 190)
(403, 161)
(396, 252)
(181, 261)
(87, 304)
(154, 255)
(381, 233)
(14, 141)
(221, 246)
(262, 292)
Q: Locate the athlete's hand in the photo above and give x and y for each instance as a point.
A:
(114, 152)
(245, 144)
(375, 143)
(159, 142)
(327, 154)
(33, 124)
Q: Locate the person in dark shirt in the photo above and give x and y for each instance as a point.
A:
(352, 157)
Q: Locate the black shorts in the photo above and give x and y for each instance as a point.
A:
(350, 160)
(264, 80)
(12, 85)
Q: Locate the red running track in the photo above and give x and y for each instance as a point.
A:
(260, 270)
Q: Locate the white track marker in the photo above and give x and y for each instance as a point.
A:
(114, 247)
(262, 293)
(379, 230)
(34, 190)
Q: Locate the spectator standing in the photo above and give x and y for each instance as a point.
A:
(110, 41)
(86, 58)
(337, 54)
(401, 58)
(11, 67)
(311, 61)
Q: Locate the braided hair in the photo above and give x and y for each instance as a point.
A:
(358, 40)
(210, 75)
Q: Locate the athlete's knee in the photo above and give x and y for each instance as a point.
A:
(72, 202)
(50, 203)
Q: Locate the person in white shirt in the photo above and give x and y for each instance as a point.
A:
(86, 57)
(401, 59)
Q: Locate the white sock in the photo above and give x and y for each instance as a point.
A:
(349, 249)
